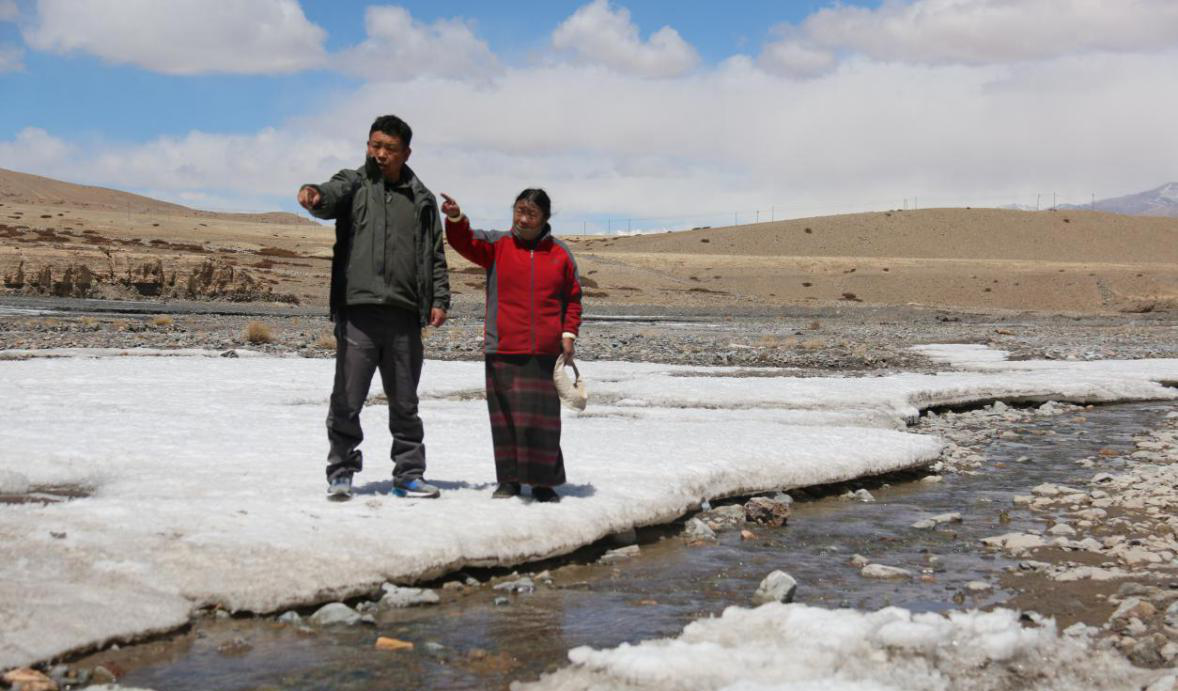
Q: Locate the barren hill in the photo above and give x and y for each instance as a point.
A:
(992, 234)
(960, 258)
(22, 188)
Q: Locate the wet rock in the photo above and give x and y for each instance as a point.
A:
(863, 496)
(290, 617)
(978, 586)
(1062, 529)
(1014, 543)
(334, 614)
(747, 535)
(1088, 573)
(859, 561)
(939, 519)
(729, 515)
(501, 601)
(884, 572)
(696, 529)
(28, 679)
(520, 585)
(619, 554)
(766, 511)
(102, 675)
(392, 644)
(778, 586)
(1171, 617)
(1133, 607)
(396, 596)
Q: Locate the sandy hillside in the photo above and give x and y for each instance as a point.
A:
(66, 239)
(966, 258)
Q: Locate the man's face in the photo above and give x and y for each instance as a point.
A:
(389, 153)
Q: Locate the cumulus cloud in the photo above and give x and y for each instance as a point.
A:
(399, 48)
(972, 32)
(182, 37)
(700, 148)
(599, 34)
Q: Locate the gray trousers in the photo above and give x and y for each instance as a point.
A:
(369, 338)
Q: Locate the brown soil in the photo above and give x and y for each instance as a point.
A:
(985, 259)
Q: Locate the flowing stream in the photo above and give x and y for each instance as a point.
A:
(470, 642)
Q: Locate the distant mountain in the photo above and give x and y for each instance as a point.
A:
(1162, 201)
(22, 188)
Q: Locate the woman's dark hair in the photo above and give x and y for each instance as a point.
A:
(538, 197)
(392, 126)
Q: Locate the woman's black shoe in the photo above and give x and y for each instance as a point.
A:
(545, 494)
(506, 490)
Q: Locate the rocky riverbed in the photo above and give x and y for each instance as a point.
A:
(814, 340)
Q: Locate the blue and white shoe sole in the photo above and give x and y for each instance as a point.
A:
(414, 494)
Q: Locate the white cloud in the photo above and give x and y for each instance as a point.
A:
(695, 149)
(974, 32)
(399, 49)
(9, 11)
(182, 37)
(11, 58)
(599, 34)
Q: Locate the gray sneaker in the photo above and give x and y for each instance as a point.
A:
(340, 487)
(416, 488)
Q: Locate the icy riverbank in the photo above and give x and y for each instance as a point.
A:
(207, 487)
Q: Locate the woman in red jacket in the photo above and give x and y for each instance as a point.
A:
(533, 315)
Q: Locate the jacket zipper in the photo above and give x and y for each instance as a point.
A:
(532, 295)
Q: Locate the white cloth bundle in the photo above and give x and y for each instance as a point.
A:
(572, 392)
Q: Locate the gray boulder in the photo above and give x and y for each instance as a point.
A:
(778, 586)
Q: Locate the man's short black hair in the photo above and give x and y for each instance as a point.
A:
(392, 126)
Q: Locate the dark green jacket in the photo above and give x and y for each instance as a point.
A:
(355, 197)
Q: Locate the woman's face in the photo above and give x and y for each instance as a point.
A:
(528, 219)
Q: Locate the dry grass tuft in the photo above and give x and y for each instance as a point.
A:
(326, 341)
(88, 322)
(256, 332)
(162, 320)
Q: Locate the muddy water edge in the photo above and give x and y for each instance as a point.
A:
(480, 637)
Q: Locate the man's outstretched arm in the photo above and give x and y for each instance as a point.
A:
(323, 200)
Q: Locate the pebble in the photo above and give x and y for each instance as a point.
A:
(884, 572)
(696, 529)
(335, 613)
(522, 585)
(387, 643)
(766, 511)
(619, 554)
(396, 596)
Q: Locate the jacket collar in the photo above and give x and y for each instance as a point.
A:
(544, 235)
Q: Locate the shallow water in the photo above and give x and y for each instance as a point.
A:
(475, 644)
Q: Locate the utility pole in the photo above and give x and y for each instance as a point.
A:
(758, 216)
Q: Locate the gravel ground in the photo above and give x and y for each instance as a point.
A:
(815, 340)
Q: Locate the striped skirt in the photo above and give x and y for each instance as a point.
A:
(525, 419)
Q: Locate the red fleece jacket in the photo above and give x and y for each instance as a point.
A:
(533, 292)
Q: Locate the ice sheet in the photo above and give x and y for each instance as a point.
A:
(207, 482)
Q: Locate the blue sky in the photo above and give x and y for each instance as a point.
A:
(655, 113)
(138, 103)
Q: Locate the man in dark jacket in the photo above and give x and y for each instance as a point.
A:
(388, 280)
